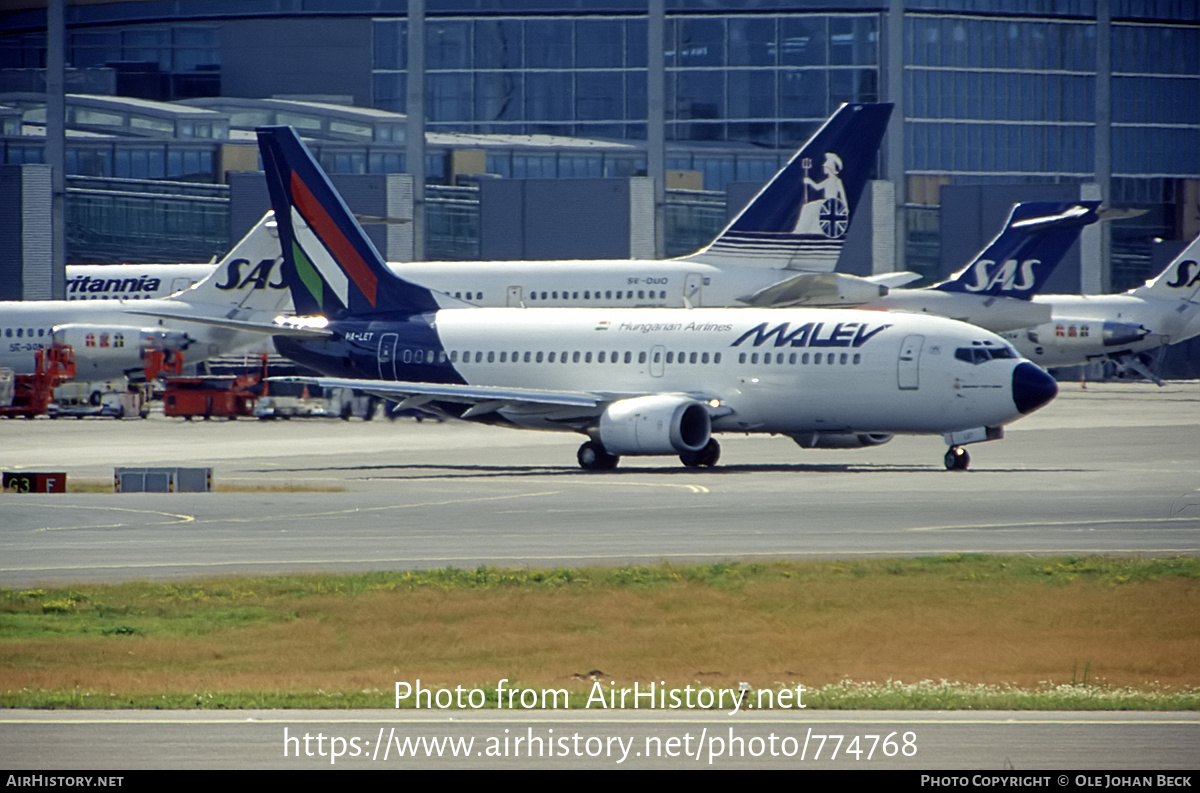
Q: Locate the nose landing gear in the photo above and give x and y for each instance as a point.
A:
(957, 459)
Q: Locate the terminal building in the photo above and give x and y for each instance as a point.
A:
(996, 100)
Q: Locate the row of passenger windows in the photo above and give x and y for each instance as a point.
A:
(620, 294)
(642, 294)
(110, 297)
(567, 356)
(628, 356)
(802, 358)
(90, 340)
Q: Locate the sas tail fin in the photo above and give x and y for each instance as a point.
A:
(1181, 279)
(1024, 254)
(329, 264)
(800, 219)
(253, 259)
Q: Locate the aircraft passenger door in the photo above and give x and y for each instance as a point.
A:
(515, 298)
(180, 284)
(692, 283)
(657, 354)
(387, 356)
(910, 359)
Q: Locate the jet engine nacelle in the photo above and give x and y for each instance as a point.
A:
(840, 440)
(1065, 332)
(659, 424)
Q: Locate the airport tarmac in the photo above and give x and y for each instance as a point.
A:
(1107, 469)
(1010, 744)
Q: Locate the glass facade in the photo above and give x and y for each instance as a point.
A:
(765, 81)
(993, 100)
(997, 97)
(1155, 100)
(138, 221)
(1000, 97)
(123, 159)
(155, 61)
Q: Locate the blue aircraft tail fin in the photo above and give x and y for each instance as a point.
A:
(1023, 255)
(801, 217)
(330, 265)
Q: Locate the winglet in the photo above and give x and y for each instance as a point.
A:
(1021, 258)
(329, 263)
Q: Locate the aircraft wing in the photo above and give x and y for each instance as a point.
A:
(482, 398)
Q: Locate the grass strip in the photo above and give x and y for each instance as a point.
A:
(959, 631)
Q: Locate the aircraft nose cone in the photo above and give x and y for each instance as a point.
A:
(1031, 387)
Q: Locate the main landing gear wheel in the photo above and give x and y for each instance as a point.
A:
(593, 457)
(957, 459)
(706, 457)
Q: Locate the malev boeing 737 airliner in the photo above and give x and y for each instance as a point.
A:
(780, 250)
(110, 337)
(635, 381)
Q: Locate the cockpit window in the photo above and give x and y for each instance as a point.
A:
(983, 352)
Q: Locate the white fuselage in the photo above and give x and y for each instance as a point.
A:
(997, 314)
(904, 378)
(768, 370)
(632, 283)
(108, 342)
(1089, 327)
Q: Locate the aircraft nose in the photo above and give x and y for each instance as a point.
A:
(1032, 387)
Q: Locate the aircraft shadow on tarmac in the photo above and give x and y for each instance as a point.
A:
(427, 470)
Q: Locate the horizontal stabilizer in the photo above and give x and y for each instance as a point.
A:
(893, 280)
(280, 327)
(816, 289)
(1112, 213)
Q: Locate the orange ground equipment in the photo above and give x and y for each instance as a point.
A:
(33, 393)
(228, 397)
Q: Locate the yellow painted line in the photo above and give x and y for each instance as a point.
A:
(390, 507)
(176, 517)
